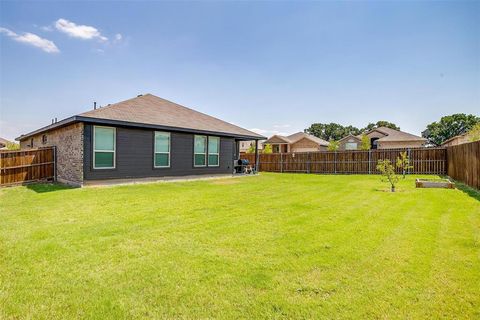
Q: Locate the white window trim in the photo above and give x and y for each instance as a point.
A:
(155, 148)
(114, 148)
(204, 153)
(217, 153)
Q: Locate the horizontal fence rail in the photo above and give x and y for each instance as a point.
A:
(24, 166)
(464, 163)
(423, 160)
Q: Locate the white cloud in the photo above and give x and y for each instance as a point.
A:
(282, 126)
(47, 28)
(118, 37)
(79, 31)
(32, 39)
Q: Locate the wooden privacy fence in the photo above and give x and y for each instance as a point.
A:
(23, 166)
(423, 160)
(464, 163)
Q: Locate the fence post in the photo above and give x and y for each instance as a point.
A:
(369, 161)
(308, 162)
(408, 155)
(55, 163)
(335, 162)
(281, 162)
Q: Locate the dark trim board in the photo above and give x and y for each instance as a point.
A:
(134, 155)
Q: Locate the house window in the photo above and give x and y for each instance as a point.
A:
(213, 151)
(351, 146)
(200, 151)
(44, 139)
(162, 150)
(104, 147)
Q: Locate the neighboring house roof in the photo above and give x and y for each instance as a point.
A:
(294, 138)
(395, 135)
(153, 112)
(350, 136)
(459, 137)
(3, 142)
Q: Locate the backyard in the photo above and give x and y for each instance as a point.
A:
(269, 246)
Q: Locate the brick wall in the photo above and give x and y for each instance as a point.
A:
(69, 143)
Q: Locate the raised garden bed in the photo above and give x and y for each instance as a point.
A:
(434, 183)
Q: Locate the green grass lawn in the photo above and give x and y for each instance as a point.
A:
(271, 246)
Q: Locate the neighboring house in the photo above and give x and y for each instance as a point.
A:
(245, 145)
(383, 138)
(350, 142)
(3, 143)
(143, 137)
(297, 142)
(463, 138)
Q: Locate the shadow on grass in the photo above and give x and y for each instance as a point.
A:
(48, 187)
(468, 190)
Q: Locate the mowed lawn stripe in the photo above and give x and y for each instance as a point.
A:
(270, 246)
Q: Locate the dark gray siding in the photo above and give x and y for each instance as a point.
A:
(134, 156)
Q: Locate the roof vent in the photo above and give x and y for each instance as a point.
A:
(139, 95)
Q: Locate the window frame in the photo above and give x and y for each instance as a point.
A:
(114, 149)
(160, 152)
(351, 144)
(204, 154)
(217, 153)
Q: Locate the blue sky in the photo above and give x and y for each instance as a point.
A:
(271, 66)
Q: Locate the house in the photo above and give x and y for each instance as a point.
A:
(383, 138)
(297, 142)
(350, 142)
(3, 143)
(462, 138)
(245, 145)
(143, 137)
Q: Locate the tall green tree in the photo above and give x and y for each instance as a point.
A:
(474, 133)
(381, 123)
(450, 126)
(331, 131)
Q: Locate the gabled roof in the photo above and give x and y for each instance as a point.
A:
(296, 137)
(153, 112)
(395, 135)
(4, 141)
(351, 136)
(460, 136)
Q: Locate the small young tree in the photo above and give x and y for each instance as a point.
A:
(365, 144)
(474, 133)
(388, 171)
(333, 145)
(403, 163)
(267, 148)
(251, 149)
(12, 146)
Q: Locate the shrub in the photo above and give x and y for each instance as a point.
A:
(333, 145)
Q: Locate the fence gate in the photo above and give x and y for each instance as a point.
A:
(24, 166)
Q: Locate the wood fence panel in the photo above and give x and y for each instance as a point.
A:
(464, 163)
(423, 160)
(23, 166)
